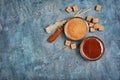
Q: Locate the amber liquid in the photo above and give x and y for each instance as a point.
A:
(92, 48)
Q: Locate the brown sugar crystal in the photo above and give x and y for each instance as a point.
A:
(92, 30)
(88, 18)
(67, 43)
(69, 9)
(95, 20)
(91, 25)
(75, 8)
(96, 26)
(73, 46)
(101, 28)
(98, 7)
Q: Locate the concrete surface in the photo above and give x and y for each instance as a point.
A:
(25, 53)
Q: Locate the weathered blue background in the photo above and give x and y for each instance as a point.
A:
(25, 53)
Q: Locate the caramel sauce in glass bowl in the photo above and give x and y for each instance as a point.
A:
(92, 48)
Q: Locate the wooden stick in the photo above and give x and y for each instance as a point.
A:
(54, 36)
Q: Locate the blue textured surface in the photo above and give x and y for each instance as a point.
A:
(25, 53)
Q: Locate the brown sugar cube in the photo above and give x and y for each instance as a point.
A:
(67, 43)
(91, 25)
(101, 28)
(95, 20)
(98, 8)
(92, 30)
(75, 8)
(73, 46)
(89, 18)
(69, 9)
(96, 26)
